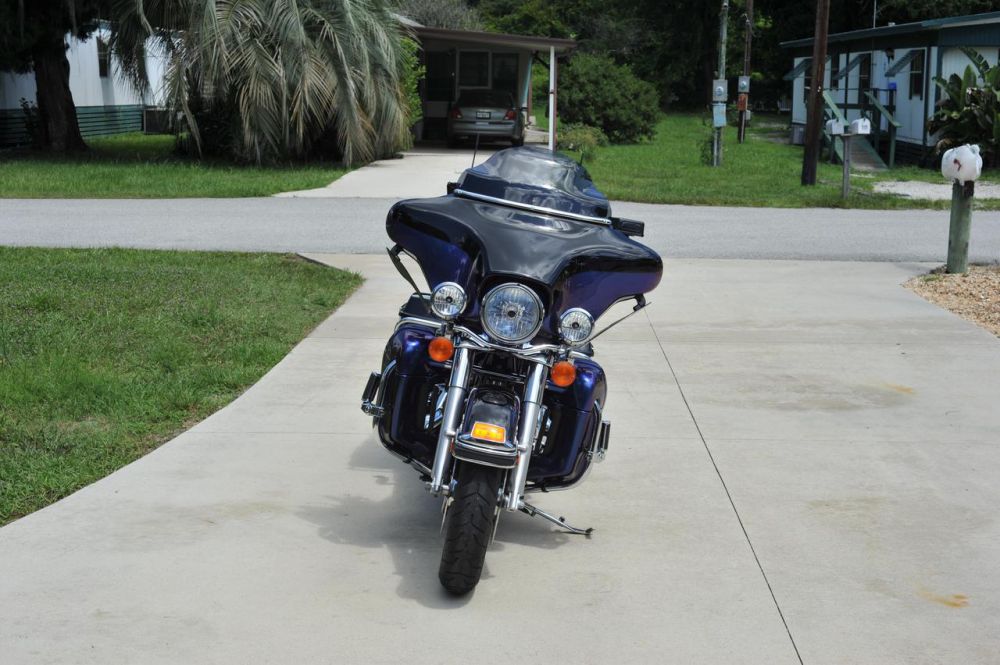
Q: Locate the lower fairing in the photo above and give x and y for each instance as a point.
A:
(410, 398)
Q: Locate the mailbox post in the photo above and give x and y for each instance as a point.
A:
(835, 128)
(963, 166)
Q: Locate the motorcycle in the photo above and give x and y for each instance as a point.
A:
(488, 385)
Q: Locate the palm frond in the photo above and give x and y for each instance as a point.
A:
(292, 71)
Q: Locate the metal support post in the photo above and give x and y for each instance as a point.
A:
(741, 130)
(717, 130)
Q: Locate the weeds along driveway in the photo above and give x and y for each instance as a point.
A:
(801, 452)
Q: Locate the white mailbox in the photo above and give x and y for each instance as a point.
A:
(963, 163)
(834, 127)
(861, 126)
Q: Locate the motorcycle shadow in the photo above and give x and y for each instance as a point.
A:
(407, 524)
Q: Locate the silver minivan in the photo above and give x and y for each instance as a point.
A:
(489, 114)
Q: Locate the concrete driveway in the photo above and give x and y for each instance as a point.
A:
(803, 469)
(420, 172)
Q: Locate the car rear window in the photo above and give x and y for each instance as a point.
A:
(490, 98)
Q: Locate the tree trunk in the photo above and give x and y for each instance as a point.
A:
(59, 129)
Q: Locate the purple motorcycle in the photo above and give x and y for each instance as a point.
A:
(488, 386)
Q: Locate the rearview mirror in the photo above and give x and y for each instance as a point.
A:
(630, 227)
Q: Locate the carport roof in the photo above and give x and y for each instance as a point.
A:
(494, 39)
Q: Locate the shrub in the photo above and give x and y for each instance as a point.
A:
(581, 138)
(969, 111)
(594, 91)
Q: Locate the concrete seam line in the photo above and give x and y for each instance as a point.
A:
(725, 488)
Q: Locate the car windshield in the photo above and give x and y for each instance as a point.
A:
(490, 98)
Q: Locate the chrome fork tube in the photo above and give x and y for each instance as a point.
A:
(458, 385)
(534, 388)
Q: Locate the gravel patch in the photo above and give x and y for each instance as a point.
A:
(974, 296)
(915, 189)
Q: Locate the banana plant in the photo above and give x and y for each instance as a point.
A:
(969, 110)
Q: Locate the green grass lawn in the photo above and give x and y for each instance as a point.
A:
(141, 166)
(761, 172)
(105, 354)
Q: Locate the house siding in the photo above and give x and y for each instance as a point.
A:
(105, 105)
(942, 46)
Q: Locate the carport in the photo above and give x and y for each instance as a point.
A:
(458, 60)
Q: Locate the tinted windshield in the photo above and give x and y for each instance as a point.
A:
(491, 98)
(538, 177)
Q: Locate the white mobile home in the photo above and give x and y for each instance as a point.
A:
(105, 103)
(886, 74)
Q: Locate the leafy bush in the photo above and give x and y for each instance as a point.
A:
(410, 76)
(969, 112)
(581, 138)
(539, 89)
(594, 91)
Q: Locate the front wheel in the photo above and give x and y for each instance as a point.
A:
(471, 518)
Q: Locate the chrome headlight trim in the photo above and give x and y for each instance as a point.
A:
(535, 300)
(576, 325)
(448, 300)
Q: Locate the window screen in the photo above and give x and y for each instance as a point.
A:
(103, 58)
(917, 77)
(505, 73)
(474, 69)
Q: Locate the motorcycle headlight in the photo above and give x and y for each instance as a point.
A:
(448, 300)
(575, 325)
(512, 313)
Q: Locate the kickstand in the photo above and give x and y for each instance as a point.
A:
(529, 509)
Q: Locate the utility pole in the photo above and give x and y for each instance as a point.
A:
(814, 121)
(744, 98)
(719, 106)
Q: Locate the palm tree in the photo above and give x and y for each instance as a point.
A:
(282, 74)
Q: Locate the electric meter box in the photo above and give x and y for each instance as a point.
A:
(744, 84)
(720, 90)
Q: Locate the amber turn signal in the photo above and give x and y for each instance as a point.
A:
(489, 432)
(440, 349)
(563, 373)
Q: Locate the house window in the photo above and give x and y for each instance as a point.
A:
(834, 70)
(505, 73)
(474, 69)
(917, 76)
(103, 58)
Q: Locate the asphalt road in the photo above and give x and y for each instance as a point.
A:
(354, 225)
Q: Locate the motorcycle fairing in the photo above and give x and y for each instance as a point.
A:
(475, 244)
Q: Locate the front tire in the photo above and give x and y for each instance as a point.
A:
(471, 518)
